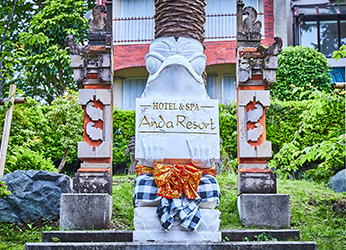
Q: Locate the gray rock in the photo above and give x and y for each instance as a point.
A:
(35, 196)
(338, 182)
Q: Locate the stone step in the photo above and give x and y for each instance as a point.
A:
(126, 236)
(278, 245)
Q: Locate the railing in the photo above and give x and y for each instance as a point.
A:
(133, 29)
(141, 29)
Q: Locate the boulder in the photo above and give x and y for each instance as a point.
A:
(338, 182)
(35, 196)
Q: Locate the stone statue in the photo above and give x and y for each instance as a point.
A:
(274, 49)
(74, 48)
(177, 133)
(250, 23)
(98, 22)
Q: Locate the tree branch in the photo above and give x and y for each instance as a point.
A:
(63, 160)
(297, 133)
(2, 43)
(8, 25)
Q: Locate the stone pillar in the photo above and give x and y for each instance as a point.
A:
(256, 72)
(90, 206)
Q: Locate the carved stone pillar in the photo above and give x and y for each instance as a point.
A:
(90, 206)
(256, 71)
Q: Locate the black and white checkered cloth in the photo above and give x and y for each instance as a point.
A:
(187, 210)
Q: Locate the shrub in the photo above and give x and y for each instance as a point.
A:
(310, 142)
(300, 67)
(41, 132)
(3, 190)
(65, 127)
(26, 159)
(228, 135)
(46, 130)
(123, 130)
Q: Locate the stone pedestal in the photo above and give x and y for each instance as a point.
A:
(85, 211)
(148, 228)
(264, 210)
(256, 182)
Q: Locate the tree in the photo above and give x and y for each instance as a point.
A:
(46, 71)
(301, 69)
(15, 16)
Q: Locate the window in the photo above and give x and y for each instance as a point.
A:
(221, 18)
(134, 21)
(211, 86)
(309, 34)
(328, 37)
(142, 8)
(132, 89)
(320, 27)
(229, 89)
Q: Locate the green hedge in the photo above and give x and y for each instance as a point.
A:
(301, 67)
(40, 134)
(123, 130)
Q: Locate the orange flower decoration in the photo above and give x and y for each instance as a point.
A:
(172, 180)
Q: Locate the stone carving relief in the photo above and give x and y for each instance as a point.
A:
(254, 134)
(274, 49)
(131, 150)
(98, 21)
(95, 114)
(249, 30)
(271, 59)
(74, 48)
(87, 98)
(94, 133)
(175, 68)
(262, 99)
(255, 114)
(250, 23)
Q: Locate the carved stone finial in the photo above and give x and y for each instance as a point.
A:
(249, 30)
(74, 48)
(274, 49)
(98, 22)
(250, 24)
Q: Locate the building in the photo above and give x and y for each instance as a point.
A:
(320, 24)
(300, 22)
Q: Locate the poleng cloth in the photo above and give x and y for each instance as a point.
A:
(173, 180)
(146, 191)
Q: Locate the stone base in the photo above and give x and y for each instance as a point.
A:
(148, 228)
(85, 211)
(264, 245)
(175, 236)
(256, 183)
(264, 210)
(93, 182)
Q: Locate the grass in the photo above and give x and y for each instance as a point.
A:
(311, 206)
(14, 237)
